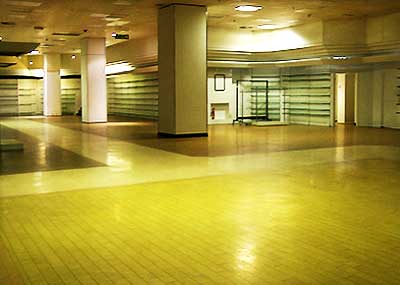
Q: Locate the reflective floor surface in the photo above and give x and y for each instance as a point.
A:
(126, 212)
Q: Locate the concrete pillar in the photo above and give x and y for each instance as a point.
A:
(93, 81)
(52, 85)
(182, 56)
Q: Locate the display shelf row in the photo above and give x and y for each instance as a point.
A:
(119, 95)
(133, 87)
(111, 81)
(132, 104)
(307, 114)
(133, 97)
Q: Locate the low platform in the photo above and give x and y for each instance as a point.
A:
(11, 145)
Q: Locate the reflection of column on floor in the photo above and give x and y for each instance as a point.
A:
(93, 82)
(8, 144)
(52, 85)
(182, 49)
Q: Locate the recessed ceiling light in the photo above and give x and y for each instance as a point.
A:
(266, 27)
(66, 34)
(122, 2)
(98, 15)
(248, 8)
(17, 16)
(23, 3)
(112, 19)
(73, 56)
(117, 23)
(264, 20)
(30, 62)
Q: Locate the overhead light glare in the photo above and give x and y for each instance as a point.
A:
(248, 8)
(266, 27)
(340, 57)
(1, 38)
(34, 52)
(118, 67)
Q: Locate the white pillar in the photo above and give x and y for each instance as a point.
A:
(182, 56)
(93, 81)
(52, 85)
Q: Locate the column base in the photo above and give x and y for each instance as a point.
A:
(94, 122)
(188, 135)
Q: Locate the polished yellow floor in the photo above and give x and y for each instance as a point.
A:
(316, 216)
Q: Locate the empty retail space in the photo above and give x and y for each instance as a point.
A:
(202, 142)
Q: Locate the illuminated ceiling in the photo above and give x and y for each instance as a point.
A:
(59, 25)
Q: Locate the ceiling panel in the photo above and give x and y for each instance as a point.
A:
(51, 22)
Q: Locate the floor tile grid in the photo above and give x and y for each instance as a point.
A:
(158, 255)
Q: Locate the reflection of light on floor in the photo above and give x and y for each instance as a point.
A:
(38, 178)
(42, 157)
(245, 257)
(128, 123)
(117, 163)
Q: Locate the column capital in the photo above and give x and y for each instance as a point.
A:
(93, 46)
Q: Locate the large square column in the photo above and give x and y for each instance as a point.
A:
(52, 85)
(93, 81)
(182, 57)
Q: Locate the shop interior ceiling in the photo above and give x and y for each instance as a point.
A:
(58, 26)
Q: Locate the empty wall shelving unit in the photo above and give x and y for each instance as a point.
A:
(307, 98)
(134, 95)
(70, 95)
(8, 97)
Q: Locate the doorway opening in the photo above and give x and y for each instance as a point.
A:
(345, 91)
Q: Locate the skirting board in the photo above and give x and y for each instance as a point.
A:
(166, 135)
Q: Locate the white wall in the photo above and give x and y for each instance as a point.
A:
(222, 99)
(377, 98)
(383, 29)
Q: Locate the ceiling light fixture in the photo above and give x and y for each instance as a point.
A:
(264, 20)
(248, 8)
(266, 27)
(1, 38)
(30, 62)
(34, 52)
(340, 57)
(73, 56)
(114, 34)
(122, 3)
(23, 3)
